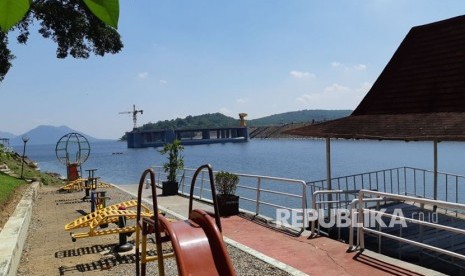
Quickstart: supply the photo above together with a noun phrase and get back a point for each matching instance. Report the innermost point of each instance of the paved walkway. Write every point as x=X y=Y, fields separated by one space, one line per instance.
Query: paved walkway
x=297 y=255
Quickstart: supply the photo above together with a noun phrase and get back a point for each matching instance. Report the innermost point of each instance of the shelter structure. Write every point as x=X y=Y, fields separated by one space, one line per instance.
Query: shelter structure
x=419 y=96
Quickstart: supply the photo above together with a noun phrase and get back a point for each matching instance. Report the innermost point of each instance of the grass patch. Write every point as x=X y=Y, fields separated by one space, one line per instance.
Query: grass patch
x=8 y=185
x=14 y=161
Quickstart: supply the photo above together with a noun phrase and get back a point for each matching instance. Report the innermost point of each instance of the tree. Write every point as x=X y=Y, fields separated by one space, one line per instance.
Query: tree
x=79 y=27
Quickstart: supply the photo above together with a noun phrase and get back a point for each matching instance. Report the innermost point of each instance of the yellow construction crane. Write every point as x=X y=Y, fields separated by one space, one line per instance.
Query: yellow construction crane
x=134 y=114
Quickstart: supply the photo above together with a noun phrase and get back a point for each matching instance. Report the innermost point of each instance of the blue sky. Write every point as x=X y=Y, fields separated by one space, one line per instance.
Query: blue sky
x=195 y=57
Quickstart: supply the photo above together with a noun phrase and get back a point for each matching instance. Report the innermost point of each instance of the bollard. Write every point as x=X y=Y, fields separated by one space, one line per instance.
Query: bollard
x=123 y=245
x=147 y=183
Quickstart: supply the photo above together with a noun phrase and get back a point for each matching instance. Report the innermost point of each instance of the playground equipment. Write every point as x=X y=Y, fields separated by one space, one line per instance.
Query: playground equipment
x=80 y=184
x=98 y=200
x=103 y=217
x=197 y=242
x=76 y=185
x=72 y=150
x=86 y=184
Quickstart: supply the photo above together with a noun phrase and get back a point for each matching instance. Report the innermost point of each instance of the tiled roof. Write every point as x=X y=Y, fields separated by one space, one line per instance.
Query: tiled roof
x=410 y=127
x=420 y=95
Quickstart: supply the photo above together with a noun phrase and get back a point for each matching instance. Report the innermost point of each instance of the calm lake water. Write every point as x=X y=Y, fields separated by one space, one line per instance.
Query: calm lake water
x=298 y=159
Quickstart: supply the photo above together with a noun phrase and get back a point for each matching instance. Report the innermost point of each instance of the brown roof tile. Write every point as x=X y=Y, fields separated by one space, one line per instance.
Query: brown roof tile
x=420 y=95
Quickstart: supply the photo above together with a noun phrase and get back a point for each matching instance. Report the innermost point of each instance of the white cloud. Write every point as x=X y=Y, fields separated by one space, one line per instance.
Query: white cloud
x=306 y=98
x=336 y=88
x=143 y=75
x=301 y=75
x=242 y=101
x=360 y=67
x=335 y=96
x=163 y=81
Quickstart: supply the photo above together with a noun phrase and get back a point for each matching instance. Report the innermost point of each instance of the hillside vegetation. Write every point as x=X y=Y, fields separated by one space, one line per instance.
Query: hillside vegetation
x=303 y=116
x=201 y=121
x=13 y=161
x=220 y=120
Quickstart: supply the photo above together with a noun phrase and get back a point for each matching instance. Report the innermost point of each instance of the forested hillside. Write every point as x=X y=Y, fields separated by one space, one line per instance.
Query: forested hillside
x=302 y=116
x=201 y=121
x=219 y=120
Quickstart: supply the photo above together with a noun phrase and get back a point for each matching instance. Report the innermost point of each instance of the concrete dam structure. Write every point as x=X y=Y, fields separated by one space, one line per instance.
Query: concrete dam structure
x=156 y=138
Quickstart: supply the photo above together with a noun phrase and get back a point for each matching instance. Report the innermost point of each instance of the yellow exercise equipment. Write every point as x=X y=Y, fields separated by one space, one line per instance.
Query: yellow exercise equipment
x=103 y=217
x=74 y=186
x=79 y=185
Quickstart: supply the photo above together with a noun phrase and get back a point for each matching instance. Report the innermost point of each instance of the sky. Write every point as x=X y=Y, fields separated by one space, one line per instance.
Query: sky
x=181 y=58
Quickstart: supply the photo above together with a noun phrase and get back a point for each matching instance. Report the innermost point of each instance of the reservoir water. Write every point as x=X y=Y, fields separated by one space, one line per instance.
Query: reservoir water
x=298 y=159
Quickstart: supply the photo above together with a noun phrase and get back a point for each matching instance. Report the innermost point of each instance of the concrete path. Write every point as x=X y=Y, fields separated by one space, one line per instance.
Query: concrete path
x=14 y=233
x=297 y=255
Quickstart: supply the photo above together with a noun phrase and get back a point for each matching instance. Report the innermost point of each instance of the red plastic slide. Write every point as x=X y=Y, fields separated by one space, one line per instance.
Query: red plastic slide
x=197 y=243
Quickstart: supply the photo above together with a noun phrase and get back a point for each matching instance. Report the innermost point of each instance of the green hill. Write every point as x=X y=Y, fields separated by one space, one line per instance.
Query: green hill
x=219 y=120
x=301 y=116
x=200 y=121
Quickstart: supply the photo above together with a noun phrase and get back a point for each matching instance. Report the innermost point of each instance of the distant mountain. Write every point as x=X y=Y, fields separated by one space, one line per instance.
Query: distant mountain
x=302 y=116
x=47 y=135
x=6 y=135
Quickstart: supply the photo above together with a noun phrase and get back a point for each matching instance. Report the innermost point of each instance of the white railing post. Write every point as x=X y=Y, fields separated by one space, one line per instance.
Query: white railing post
x=257 y=207
x=183 y=180
x=312 y=228
x=304 y=205
x=360 y=215
x=351 y=226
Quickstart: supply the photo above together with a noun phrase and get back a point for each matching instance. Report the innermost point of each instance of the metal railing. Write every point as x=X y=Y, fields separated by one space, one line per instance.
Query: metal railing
x=367 y=195
x=354 y=213
x=402 y=181
x=337 y=203
x=258 y=194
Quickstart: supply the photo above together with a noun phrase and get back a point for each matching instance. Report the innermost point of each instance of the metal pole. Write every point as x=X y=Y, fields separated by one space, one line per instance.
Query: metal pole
x=25 y=139
x=328 y=163
x=328 y=173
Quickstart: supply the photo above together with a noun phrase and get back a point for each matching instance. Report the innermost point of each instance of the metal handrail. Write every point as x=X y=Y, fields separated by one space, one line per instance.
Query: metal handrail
x=352 y=215
x=316 y=203
x=258 y=198
x=401 y=180
x=439 y=203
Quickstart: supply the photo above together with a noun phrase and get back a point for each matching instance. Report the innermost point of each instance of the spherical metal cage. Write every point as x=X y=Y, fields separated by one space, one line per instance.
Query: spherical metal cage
x=72 y=148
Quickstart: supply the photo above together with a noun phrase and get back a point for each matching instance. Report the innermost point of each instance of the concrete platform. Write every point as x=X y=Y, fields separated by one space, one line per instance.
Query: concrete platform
x=296 y=255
